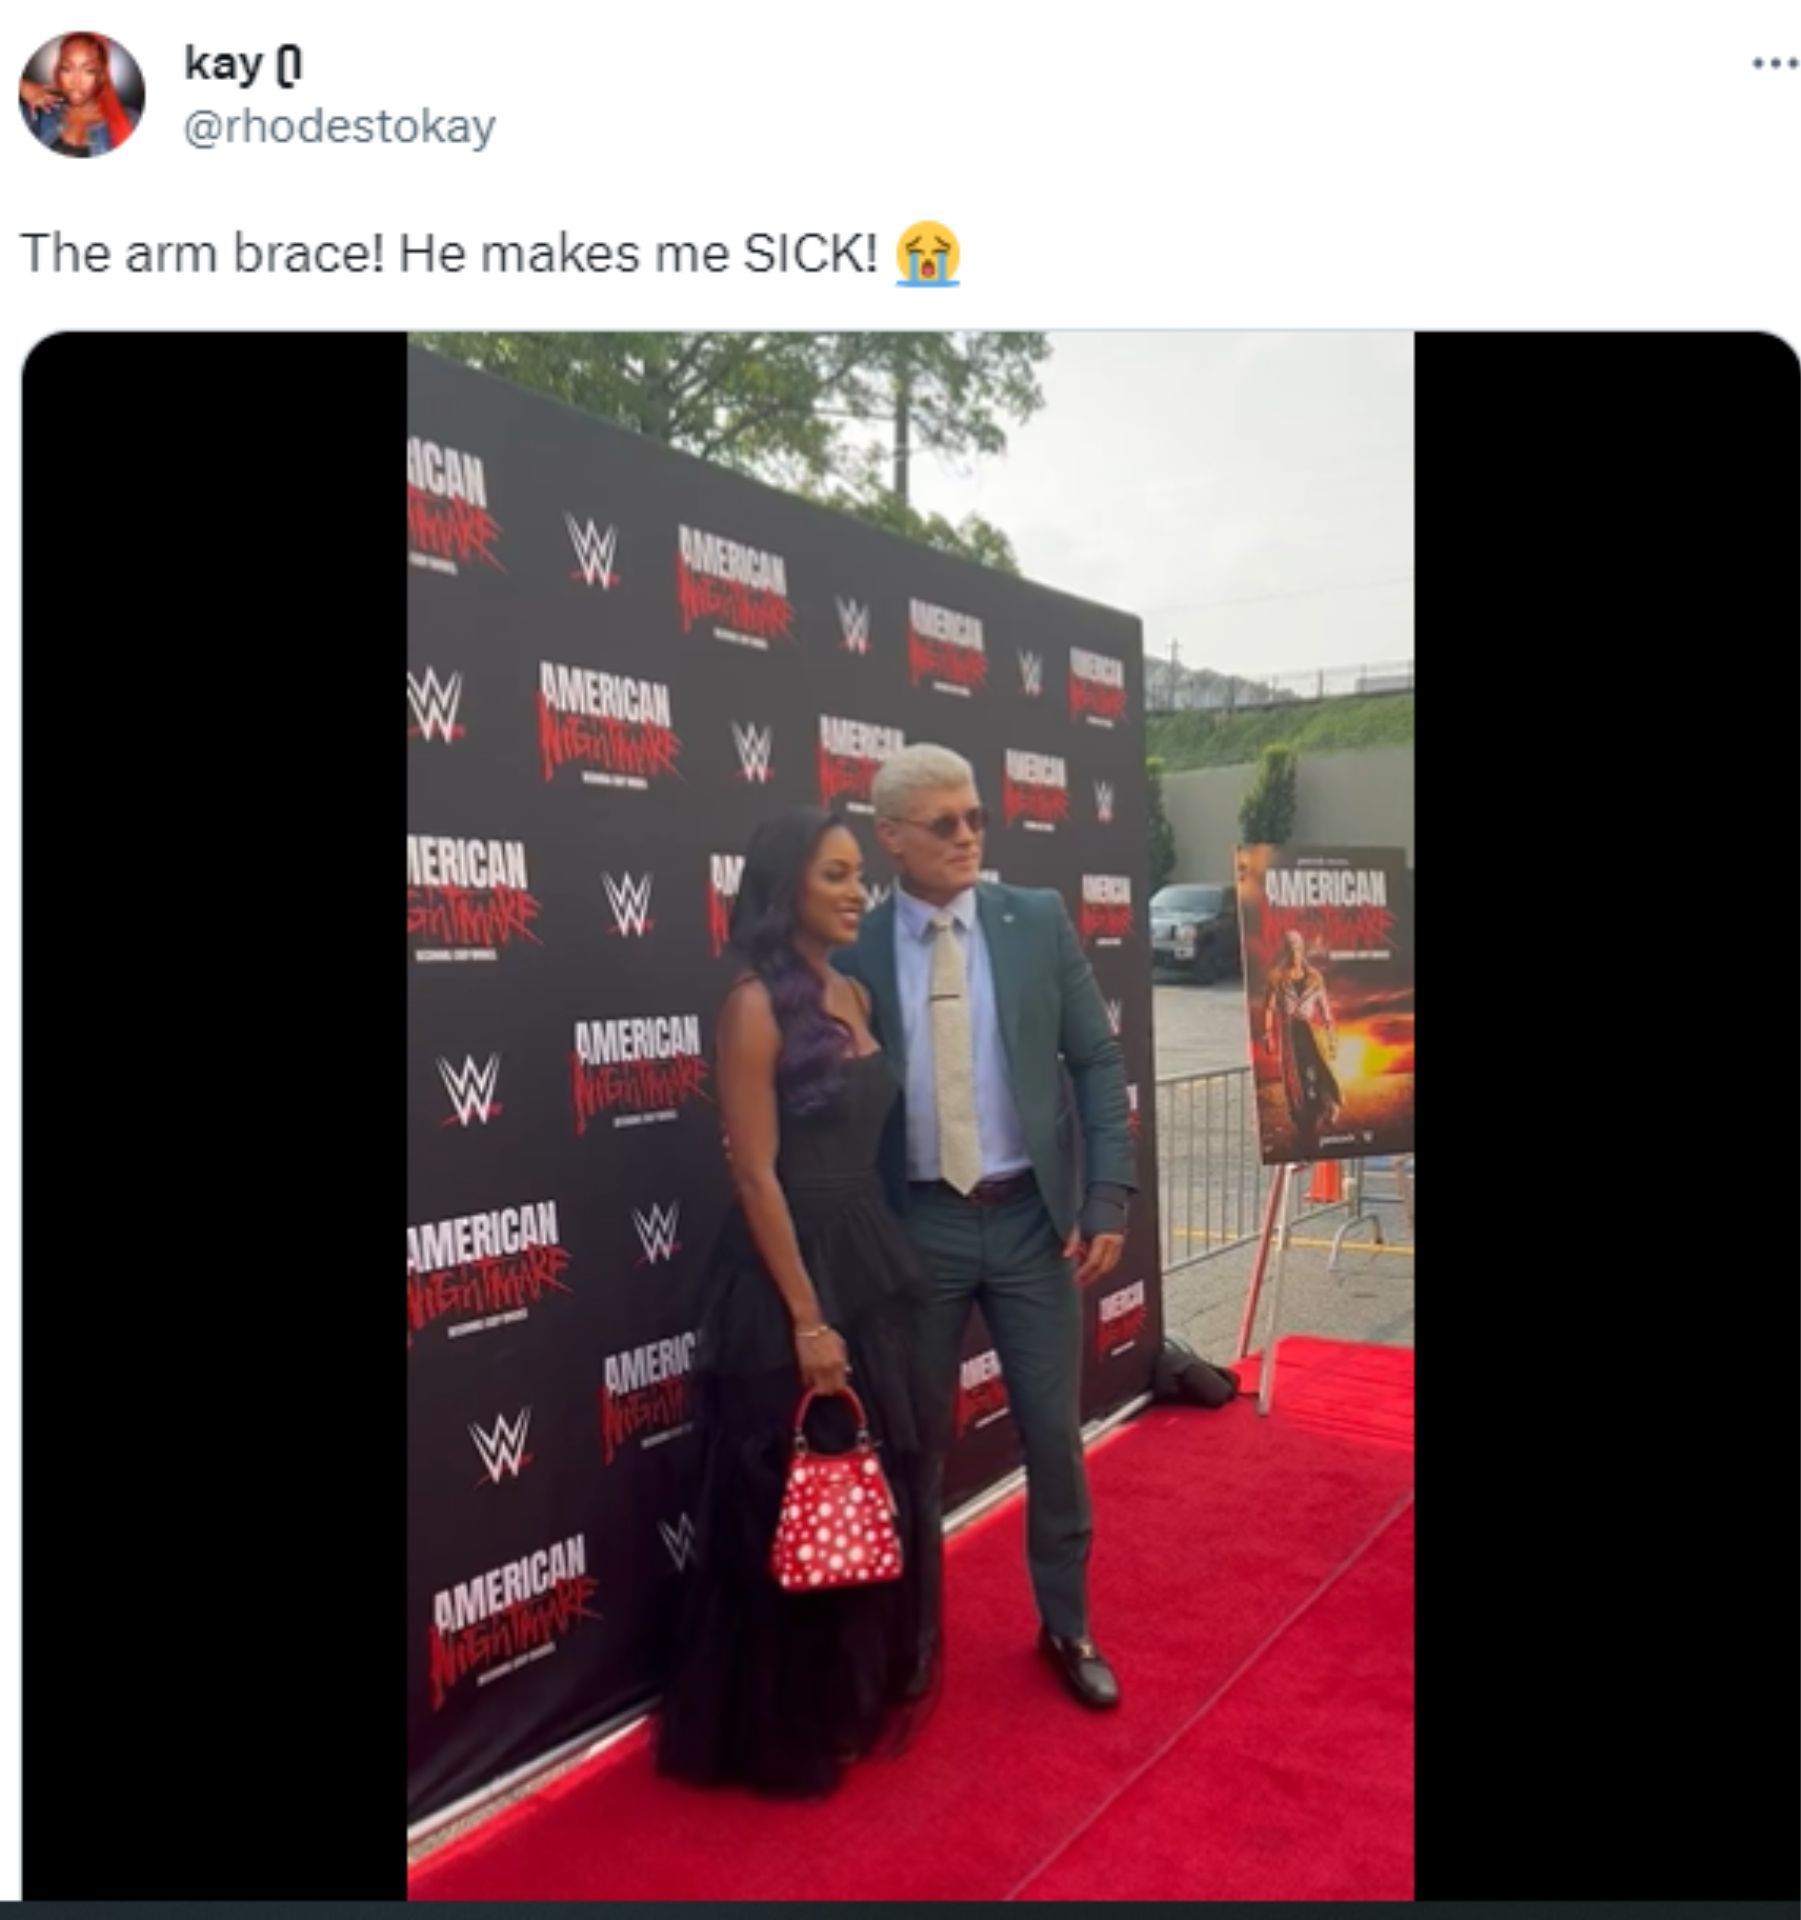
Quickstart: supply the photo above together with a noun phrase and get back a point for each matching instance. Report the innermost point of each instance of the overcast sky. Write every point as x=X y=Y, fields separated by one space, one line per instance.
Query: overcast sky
x=1248 y=495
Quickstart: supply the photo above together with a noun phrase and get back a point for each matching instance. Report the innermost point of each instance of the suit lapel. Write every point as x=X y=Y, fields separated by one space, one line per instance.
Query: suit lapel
x=1001 y=931
x=875 y=949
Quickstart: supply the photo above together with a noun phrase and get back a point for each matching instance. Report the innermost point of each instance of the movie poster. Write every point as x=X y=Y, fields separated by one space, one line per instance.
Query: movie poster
x=1327 y=934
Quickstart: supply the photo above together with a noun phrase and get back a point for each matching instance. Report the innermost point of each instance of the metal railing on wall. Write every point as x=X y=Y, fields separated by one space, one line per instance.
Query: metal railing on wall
x=1167 y=691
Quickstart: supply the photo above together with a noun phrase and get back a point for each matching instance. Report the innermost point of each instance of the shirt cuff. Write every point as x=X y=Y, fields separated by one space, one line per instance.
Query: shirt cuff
x=1105 y=1210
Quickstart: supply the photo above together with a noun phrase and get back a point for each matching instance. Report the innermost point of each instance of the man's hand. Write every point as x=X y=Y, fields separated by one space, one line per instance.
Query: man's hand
x=1098 y=1256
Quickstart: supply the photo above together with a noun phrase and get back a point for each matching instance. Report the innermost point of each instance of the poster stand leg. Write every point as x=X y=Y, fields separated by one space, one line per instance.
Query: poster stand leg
x=1266 y=1385
x=1272 y=1200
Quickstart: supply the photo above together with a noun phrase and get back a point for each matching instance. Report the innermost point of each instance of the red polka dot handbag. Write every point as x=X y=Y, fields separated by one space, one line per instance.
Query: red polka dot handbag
x=837 y=1524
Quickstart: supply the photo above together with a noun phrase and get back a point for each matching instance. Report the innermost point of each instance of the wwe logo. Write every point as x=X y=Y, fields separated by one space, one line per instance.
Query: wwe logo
x=875 y=892
x=756 y=745
x=1116 y=1013
x=657 y=1231
x=1103 y=801
x=503 y=1450
x=679 y=1539
x=434 y=704
x=471 y=1089
x=630 y=901
x=855 y=622
x=595 y=551
x=1031 y=673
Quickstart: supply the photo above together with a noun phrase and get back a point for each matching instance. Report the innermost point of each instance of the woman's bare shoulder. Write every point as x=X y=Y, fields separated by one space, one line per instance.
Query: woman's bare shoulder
x=746 y=1008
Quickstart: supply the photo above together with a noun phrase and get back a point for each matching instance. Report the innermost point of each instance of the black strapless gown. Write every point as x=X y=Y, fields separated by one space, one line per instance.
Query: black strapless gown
x=778 y=1690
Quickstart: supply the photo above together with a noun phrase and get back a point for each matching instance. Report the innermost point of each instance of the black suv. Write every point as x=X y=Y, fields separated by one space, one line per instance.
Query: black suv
x=1195 y=929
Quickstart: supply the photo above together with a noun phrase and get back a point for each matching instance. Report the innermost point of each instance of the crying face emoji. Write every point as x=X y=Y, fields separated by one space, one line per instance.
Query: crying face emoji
x=928 y=255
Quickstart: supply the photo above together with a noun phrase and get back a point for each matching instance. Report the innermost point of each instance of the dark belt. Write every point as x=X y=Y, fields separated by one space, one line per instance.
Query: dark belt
x=989 y=1193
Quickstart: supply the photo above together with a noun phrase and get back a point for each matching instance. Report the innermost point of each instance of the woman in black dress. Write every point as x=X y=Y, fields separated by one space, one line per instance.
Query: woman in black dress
x=814 y=1284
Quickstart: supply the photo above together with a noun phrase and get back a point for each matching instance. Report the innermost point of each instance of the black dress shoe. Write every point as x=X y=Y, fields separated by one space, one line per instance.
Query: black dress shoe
x=1084 y=1671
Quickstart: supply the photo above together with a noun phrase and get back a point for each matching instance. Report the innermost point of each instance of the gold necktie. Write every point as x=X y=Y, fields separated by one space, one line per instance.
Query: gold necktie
x=953 y=1064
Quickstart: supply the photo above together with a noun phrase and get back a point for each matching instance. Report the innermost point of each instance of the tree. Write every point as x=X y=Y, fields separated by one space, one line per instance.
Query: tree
x=945 y=392
x=838 y=417
x=1266 y=816
x=1163 y=835
x=974 y=538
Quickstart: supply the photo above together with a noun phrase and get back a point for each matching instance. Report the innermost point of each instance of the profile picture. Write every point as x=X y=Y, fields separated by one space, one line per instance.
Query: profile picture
x=81 y=95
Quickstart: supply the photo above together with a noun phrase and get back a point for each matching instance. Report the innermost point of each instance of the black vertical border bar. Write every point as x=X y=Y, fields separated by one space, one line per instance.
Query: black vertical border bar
x=213 y=1446
x=1608 y=644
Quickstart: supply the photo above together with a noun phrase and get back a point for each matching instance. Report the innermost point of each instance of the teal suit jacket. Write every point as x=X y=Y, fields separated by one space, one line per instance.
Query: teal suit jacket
x=1066 y=1068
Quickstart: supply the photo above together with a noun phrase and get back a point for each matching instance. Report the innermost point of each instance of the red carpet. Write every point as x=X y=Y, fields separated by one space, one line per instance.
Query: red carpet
x=1252 y=1583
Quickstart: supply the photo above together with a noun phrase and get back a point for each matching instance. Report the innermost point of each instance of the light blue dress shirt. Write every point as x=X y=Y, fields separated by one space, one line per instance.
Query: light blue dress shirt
x=998 y=1124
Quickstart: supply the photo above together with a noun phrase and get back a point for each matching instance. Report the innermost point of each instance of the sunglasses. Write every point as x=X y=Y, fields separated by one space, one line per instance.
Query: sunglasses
x=946 y=824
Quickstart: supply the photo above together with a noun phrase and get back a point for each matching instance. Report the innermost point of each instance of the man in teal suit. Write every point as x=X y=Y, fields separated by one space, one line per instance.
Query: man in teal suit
x=1012 y=1158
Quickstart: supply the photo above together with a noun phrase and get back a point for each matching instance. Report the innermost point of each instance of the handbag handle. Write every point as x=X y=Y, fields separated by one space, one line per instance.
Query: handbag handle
x=843 y=1393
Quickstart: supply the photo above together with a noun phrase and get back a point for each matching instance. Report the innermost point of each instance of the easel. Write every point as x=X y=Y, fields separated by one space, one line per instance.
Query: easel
x=1278 y=1221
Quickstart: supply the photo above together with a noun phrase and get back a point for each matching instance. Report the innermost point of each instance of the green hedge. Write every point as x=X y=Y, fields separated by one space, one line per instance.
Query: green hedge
x=1186 y=740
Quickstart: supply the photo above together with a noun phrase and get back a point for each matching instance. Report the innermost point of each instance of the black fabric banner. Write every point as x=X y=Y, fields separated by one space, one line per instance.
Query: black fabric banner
x=619 y=660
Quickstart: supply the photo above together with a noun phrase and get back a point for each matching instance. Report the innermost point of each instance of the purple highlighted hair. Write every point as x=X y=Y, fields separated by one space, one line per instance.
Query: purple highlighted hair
x=810 y=1071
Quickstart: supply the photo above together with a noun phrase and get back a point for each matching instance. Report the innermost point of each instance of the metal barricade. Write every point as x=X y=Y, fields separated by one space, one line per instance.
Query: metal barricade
x=1211 y=1178
x=1363 y=1199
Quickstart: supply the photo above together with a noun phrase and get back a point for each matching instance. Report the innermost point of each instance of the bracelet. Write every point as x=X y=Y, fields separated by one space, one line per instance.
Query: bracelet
x=811 y=1333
